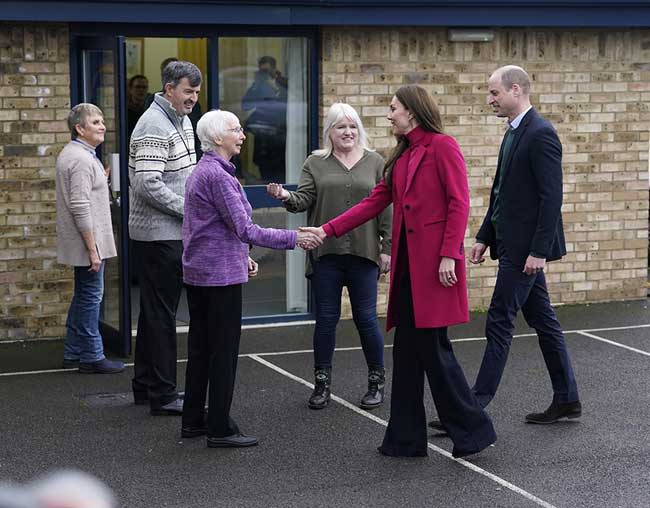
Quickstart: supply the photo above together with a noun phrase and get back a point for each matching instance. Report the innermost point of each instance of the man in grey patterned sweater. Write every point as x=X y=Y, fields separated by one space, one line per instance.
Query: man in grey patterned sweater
x=161 y=157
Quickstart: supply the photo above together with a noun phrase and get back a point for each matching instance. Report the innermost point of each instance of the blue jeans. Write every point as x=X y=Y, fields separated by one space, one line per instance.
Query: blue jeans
x=330 y=273
x=83 y=341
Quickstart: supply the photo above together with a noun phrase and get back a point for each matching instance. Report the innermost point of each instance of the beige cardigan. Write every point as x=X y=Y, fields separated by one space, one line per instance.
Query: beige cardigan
x=82 y=204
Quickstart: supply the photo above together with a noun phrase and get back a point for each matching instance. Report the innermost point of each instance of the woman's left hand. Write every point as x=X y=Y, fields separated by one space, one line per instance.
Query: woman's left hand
x=384 y=263
x=447 y=272
x=252 y=267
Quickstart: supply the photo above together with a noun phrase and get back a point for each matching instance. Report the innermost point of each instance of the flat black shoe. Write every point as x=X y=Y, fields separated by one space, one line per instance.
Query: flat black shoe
x=173 y=408
x=234 y=441
x=556 y=412
x=436 y=425
x=190 y=432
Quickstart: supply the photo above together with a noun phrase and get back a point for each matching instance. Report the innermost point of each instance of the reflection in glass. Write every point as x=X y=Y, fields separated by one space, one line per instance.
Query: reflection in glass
x=263 y=80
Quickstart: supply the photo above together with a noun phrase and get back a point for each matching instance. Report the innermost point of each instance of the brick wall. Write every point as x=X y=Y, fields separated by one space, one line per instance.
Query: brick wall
x=593 y=85
x=34 y=102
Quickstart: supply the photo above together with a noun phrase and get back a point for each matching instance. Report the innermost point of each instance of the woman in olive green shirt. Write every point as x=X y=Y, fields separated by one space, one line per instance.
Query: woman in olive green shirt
x=332 y=180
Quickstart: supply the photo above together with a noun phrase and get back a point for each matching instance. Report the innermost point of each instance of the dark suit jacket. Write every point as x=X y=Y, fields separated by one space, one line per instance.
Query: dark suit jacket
x=530 y=195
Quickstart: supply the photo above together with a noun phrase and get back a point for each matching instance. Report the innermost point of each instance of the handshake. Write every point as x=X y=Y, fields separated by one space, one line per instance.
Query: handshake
x=310 y=238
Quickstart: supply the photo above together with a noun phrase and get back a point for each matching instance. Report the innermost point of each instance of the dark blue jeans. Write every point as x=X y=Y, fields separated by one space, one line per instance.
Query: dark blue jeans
x=83 y=341
x=330 y=273
x=515 y=290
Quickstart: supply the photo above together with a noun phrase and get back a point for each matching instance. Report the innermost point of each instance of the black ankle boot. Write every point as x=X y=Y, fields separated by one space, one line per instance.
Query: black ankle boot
x=320 y=397
x=375 y=395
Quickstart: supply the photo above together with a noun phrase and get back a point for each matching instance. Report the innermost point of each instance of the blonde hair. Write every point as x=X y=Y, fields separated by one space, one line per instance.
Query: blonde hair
x=337 y=112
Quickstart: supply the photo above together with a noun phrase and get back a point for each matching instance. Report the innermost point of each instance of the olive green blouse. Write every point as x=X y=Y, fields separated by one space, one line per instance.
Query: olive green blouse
x=327 y=188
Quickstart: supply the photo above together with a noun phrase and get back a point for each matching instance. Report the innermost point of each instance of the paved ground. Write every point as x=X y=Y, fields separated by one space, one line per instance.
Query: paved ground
x=328 y=458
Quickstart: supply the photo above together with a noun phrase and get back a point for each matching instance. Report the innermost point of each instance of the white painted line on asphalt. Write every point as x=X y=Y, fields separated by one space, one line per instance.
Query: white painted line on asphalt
x=613 y=343
x=185 y=328
x=356 y=348
x=380 y=421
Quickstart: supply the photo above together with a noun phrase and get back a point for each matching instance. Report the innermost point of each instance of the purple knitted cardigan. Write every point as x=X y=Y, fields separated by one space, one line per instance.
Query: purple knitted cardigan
x=217 y=226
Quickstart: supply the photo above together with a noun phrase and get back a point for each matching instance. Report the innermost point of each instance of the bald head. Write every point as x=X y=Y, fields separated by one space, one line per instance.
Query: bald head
x=513 y=75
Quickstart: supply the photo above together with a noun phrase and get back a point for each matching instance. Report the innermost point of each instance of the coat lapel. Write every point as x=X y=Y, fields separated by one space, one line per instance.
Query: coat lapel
x=415 y=158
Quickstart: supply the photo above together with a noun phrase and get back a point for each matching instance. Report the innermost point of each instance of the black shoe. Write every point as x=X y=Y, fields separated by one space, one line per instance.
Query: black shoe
x=556 y=412
x=104 y=366
x=190 y=432
x=234 y=441
x=436 y=425
x=320 y=397
x=70 y=364
x=173 y=408
x=374 y=397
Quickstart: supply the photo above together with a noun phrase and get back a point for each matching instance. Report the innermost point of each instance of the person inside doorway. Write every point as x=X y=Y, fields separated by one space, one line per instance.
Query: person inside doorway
x=266 y=99
x=137 y=93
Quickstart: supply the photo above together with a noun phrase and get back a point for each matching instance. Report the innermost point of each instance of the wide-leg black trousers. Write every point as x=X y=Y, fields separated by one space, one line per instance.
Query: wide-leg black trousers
x=427 y=351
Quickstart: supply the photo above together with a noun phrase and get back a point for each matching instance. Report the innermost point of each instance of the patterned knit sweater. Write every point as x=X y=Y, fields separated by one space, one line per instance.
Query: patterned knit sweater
x=161 y=157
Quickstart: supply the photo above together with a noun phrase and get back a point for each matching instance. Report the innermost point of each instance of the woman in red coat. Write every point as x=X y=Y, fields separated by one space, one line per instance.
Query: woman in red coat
x=426 y=180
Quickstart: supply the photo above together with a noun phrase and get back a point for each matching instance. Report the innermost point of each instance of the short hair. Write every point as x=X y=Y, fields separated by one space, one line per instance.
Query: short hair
x=267 y=60
x=72 y=488
x=167 y=60
x=137 y=76
x=338 y=112
x=179 y=69
x=213 y=124
x=511 y=74
x=79 y=114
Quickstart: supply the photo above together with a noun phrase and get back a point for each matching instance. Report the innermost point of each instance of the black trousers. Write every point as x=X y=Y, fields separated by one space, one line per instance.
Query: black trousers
x=161 y=284
x=420 y=351
x=514 y=290
x=213 y=347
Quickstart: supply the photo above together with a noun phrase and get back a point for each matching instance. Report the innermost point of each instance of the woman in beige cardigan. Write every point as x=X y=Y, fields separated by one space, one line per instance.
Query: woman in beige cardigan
x=84 y=237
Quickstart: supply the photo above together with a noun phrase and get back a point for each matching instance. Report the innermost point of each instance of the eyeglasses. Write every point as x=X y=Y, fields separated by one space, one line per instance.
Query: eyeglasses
x=237 y=130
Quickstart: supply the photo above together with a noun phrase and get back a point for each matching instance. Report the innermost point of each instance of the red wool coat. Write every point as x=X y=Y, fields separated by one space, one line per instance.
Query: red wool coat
x=430 y=198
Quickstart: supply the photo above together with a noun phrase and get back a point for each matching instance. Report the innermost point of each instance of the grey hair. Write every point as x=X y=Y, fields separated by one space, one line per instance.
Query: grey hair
x=179 y=69
x=79 y=114
x=512 y=74
x=73 y=489
x=338 y=112
x=212 y=125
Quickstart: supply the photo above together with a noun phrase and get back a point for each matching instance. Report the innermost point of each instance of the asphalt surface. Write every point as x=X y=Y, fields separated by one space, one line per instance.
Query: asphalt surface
x=328 y=458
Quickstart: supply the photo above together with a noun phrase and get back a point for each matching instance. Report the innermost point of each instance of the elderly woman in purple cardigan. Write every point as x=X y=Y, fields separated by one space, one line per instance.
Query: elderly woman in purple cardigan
x=217 y=234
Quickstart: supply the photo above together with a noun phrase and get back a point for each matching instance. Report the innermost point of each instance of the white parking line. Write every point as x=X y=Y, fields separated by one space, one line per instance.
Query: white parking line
x=617 y=344
x=357 y=348
x=380 y=421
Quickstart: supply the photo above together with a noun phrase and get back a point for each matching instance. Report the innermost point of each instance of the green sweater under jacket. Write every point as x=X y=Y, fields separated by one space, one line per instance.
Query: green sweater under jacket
x=327 y=188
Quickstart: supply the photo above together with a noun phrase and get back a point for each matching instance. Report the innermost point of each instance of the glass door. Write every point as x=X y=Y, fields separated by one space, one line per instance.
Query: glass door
x=265 y=82
x=98 y=68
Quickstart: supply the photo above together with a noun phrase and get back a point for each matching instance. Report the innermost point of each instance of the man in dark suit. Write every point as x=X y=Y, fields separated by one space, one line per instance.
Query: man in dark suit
x=523 y=229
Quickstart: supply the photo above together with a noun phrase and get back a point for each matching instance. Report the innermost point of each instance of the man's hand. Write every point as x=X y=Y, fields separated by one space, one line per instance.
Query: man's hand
x=447 y=272
x=476 y=254
x=253 y=267
x=275 y=190
x=534 y=265
x=384 y=263
x=308 y=240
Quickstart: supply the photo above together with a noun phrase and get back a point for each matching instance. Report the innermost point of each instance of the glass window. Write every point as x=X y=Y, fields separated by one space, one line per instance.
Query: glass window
x=264 y=81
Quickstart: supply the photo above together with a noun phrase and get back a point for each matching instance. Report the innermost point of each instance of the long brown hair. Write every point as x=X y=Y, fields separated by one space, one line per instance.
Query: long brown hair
x=425 y=111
